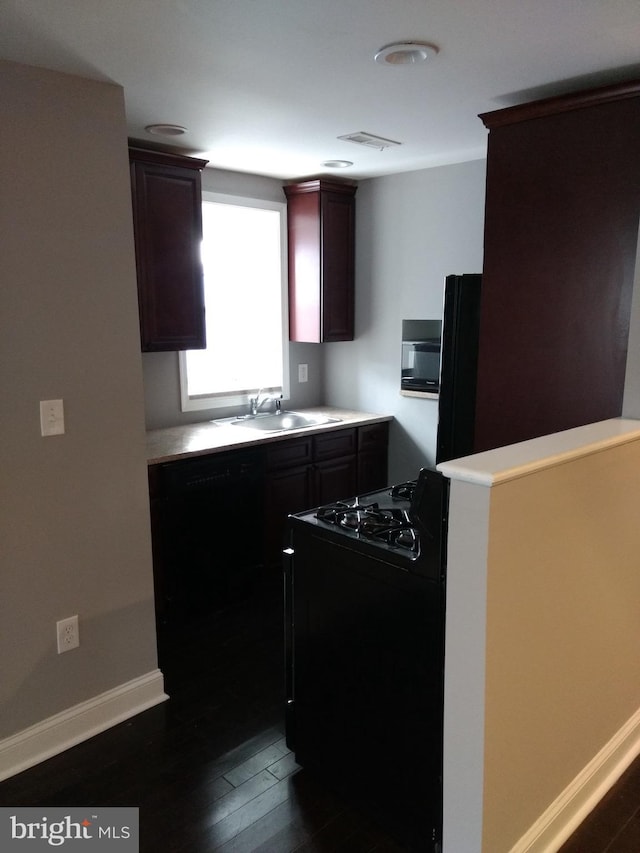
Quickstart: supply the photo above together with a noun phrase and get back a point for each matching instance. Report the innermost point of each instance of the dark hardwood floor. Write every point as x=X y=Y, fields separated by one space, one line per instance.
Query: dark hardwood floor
x=210 y=770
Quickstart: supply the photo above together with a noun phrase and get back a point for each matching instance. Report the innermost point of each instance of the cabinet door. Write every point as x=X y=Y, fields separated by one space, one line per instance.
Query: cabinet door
x=167 y=219
x=203 y=557
x=335 y=465
x=373 y=451
x=335 y=480
x=287 y=491
x=321 y=218
x=338 y=266
x=158 y=544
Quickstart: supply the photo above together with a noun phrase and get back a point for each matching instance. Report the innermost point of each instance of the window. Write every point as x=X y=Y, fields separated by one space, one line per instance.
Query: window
x=244 y=261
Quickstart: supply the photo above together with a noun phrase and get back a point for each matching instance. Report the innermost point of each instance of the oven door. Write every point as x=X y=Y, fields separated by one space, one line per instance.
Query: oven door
x=365 y=680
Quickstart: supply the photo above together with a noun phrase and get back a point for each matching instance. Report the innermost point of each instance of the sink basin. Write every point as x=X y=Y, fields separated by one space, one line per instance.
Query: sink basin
x=282 y=422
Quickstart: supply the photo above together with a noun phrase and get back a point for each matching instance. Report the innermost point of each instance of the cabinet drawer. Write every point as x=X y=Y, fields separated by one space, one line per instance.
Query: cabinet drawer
x=334 y=444
x=373 y=435
x=288 y=454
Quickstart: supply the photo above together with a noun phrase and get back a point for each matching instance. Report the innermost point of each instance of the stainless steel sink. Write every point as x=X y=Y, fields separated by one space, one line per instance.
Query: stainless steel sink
x=282 y=422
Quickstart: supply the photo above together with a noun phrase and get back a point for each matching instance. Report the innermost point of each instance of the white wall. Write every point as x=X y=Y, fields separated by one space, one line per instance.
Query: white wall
x=74 y=508
x=412 y=230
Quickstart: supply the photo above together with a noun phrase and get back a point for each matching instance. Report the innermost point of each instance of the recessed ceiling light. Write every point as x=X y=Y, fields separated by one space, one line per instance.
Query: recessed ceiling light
x=405 y=53
x=165 y=129
x=337 y=164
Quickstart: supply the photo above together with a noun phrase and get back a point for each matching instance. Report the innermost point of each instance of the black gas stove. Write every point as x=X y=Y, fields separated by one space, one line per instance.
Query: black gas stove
x=366 y=517
x=364 y=653
x=405 y=521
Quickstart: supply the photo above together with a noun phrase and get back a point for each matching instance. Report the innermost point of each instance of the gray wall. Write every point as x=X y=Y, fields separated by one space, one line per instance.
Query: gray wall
x=74 y=522
x=74 y=517
x=411 y=231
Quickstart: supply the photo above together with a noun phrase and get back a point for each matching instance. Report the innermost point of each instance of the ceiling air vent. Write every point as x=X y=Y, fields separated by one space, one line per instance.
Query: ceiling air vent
x=371 y=141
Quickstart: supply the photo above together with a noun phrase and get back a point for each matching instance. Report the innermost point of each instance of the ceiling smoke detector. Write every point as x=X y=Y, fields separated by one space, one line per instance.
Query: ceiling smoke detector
x=370 y=140
x=405 y=53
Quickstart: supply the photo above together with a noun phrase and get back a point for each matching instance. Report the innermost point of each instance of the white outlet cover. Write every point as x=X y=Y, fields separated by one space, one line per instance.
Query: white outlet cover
x=51 y=417
x=68 y=634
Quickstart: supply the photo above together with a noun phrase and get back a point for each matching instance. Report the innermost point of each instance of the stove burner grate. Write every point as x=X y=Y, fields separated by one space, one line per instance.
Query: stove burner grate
x=390 y=526
x=403 y=491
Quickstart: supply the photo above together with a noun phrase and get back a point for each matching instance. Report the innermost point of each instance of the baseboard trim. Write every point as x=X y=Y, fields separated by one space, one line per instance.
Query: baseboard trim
x=580 y=797
x=73 y=725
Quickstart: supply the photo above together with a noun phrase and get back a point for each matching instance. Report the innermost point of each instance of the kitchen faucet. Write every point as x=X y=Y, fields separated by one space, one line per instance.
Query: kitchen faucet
x=255 y=403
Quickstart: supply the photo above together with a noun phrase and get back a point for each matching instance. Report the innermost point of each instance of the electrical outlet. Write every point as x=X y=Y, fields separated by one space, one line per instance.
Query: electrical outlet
x=303 y=372
x=68 y=634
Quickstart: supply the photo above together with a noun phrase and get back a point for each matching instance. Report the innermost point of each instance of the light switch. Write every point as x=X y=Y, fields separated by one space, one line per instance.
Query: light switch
x=51 y=417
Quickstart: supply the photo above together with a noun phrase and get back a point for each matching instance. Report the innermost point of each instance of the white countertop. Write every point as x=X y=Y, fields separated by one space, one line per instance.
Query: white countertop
x=165 y=445
x=518 y=460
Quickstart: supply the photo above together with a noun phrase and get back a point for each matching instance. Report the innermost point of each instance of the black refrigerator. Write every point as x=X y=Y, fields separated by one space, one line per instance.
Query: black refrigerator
x=458 y=366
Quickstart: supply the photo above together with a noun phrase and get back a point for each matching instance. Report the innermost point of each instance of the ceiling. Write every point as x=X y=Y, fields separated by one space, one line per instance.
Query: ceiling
x=268 y=86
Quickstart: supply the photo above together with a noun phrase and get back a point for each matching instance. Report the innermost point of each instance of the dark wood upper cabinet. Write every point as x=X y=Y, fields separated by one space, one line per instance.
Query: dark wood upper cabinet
x=167 y=220
x=561 y=227
x=321 y=226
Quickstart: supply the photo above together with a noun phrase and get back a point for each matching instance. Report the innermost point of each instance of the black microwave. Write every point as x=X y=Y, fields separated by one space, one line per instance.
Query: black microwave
x=421 y=344
x=421 y=365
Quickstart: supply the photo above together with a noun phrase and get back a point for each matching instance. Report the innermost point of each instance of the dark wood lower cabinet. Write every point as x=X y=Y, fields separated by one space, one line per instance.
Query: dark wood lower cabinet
x=335 y=467
x=335 y=479
x=206 y=524
x=373 y=452
x=302 y=473
x=286 y=491
x=216 y=518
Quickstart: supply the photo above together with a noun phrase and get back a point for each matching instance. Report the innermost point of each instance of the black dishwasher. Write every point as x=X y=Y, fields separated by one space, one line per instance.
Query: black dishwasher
x=207 y=533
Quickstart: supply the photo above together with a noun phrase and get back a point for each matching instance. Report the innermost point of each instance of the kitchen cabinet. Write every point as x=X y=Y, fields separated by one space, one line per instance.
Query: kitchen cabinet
x=335 y=466
x=206 y=525
x=288 y=488
x=312 y=470
x=321 y=230
x=373 y=451
x=219 y=516
x=561 y=226
x=167 y=220
x=157 y=535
